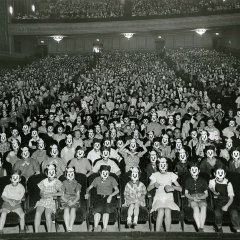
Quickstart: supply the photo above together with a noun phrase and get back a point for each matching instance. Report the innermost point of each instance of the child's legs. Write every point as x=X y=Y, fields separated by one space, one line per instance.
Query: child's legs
x=21 y=214
x=37 y=220
x=235 y=219
x=196 y=214
x=159 y=219
x=136 y=212
x=72 y=217
x=48 y=215
x=168 y=219
x=3 y=219
x=218 y=216
x=66 y=217
x=97 y=217
x=105 y=220
x=203 y=214
x=130 y=212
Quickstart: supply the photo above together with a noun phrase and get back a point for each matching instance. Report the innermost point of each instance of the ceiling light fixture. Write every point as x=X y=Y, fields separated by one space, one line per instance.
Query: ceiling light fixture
x=58 y=38
x=128 y=35
x=200 y=31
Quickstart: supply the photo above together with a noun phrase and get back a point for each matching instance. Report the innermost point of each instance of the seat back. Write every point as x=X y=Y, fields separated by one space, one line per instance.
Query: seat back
x=33 y=189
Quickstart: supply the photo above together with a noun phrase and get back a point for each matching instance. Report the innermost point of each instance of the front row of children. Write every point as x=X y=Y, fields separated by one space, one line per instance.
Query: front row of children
x=164 y=183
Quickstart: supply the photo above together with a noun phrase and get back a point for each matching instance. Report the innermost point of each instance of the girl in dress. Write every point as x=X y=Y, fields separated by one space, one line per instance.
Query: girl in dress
x=70 y=198
x=50 y=188
x=165 y=183
x=134 y=194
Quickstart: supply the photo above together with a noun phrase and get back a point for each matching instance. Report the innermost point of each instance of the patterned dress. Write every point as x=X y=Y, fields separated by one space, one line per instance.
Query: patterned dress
x=135 y=193
x=47 y=187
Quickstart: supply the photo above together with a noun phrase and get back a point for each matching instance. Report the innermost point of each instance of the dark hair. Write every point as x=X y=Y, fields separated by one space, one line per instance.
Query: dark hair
x=104 y=168
x=193 y=164
x=19 y=172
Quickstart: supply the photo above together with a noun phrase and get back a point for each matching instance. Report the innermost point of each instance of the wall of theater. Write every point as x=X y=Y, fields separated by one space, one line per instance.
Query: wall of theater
x=4 y=44
x=141 y=42
x=230 y=39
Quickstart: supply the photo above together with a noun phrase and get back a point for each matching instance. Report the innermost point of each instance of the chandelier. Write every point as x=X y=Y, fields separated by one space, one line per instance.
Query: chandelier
x=128 y=35
x=201 y=31
x=57 y=38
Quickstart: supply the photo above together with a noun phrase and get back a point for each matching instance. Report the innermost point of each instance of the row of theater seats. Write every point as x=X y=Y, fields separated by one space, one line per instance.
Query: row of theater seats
x=84 y=212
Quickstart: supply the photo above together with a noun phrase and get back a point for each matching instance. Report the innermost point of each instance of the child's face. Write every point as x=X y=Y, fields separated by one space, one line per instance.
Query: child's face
x=153 y=157
x=220 y=175
x=15 y=179
x=51 y=174
x=163 y=165
x=135 y=176
x=80 y=153
x=194 y=171
x=236 y=154
x=210 y=153
x=104 y=174
x=70 y=174
x=182 y=156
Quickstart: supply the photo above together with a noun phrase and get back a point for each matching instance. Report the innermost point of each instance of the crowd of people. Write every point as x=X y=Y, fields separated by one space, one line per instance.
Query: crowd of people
x=181 y=7
x=85 y=9
x=74 y=9
x=124 y=113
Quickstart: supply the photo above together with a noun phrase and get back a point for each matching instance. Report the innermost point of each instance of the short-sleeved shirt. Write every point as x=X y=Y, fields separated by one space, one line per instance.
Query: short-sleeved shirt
x=196 y=186
x=111 y=163
x=81 y=166
x=28 y=167
x=14 y=192
x=70 y=188
x=105 y=187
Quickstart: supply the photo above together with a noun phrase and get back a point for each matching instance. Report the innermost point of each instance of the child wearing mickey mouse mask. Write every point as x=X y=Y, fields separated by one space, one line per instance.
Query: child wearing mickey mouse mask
x=182 y=162
x=102 y=205
x=134 y=194
x=70 y=198
x=224 y=199
x=165 y=183
x=196 y=191
x=234 y=164
x=12 y=196
x=50 y=188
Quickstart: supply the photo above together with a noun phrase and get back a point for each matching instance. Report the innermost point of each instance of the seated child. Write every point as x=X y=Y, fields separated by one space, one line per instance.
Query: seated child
x=182 y=163
x=12 y=196
x=224 y=199
x=196 y=190
x=152 y=166
x=134 y=193
x=50 y=187
x=70 y=198
x=102 y=204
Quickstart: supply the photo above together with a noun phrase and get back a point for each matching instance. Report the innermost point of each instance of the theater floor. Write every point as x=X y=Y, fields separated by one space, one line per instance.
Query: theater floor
x=113 y=228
